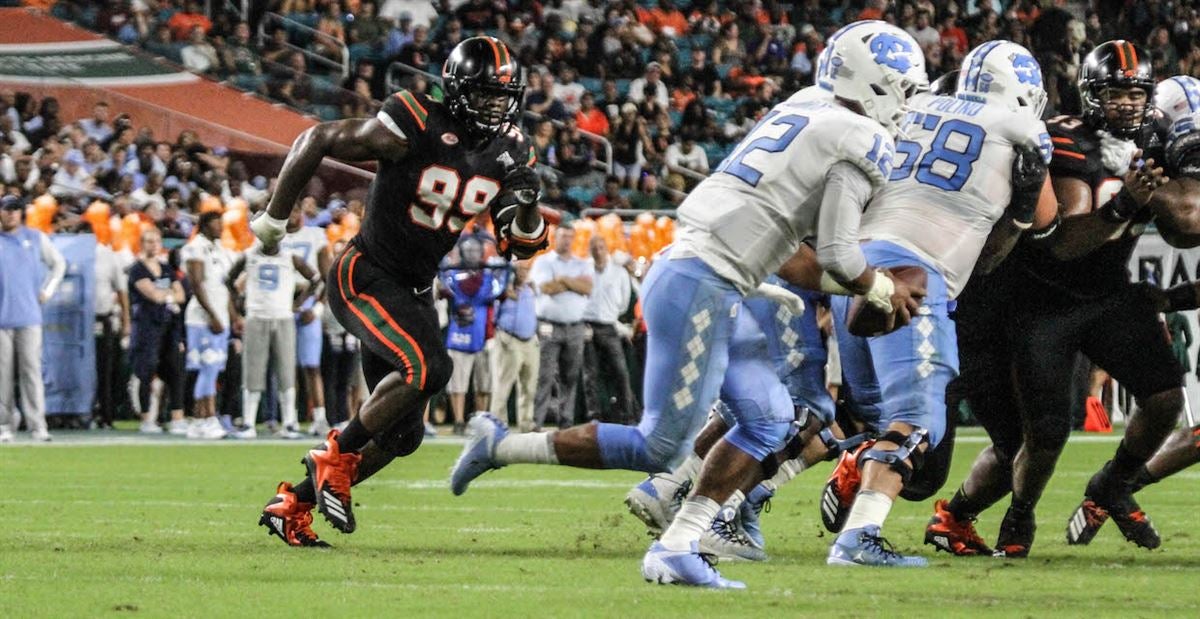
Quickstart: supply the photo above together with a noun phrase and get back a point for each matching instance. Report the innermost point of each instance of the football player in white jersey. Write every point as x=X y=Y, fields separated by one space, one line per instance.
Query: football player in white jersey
x=310 y=243
x=807 y=169
x=971 y=164
x=270 y=331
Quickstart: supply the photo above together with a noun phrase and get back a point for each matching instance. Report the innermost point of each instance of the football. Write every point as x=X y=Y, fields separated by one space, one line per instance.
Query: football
x=865 y=320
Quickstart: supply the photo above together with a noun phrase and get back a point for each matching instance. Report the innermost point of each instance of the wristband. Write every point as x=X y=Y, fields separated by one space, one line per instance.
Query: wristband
x=831 y=286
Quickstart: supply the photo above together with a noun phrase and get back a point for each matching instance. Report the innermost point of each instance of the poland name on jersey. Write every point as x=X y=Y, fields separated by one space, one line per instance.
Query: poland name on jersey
x=951 y=181
x=748 y=217
x=270 y=284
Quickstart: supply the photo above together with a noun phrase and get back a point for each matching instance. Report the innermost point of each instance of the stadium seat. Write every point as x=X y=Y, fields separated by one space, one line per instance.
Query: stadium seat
x=591 y=84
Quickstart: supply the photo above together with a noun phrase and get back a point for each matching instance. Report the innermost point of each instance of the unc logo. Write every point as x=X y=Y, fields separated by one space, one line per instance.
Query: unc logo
x=892 y=51
x=1027 y=69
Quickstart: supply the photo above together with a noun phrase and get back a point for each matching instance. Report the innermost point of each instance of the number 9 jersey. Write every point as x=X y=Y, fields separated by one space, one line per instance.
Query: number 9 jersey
x=750 y=215
x=418 y=205
x=951 y=181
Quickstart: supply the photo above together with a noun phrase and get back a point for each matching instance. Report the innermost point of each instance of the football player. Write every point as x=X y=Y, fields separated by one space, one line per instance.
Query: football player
x=1177 y=216
x=806 y=170
x=1061 y=295
x=312 y=246
x=966 y=183
x=440 y=164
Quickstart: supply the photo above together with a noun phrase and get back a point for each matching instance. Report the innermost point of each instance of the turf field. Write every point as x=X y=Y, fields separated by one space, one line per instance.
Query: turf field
x=169 y=529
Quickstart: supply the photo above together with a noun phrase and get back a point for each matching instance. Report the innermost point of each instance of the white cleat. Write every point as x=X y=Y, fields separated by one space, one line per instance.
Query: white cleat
x=656 y=500
x=247 y=434
x=667 y=567
x=6 y=434
x=208 y=430
x=290 y=433
x=149 y=427
x=41 y=436
x=178 y=427
x=320 y=427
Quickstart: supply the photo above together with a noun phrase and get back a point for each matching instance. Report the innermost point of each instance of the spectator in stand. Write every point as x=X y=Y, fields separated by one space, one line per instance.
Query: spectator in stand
x=112 y=324
x=95 y=161
x=33 y=268
x=160 y=42
x=291 y=84
x=650 y=86
x=540 y=98
x=923 y=31
x=575 y=156
x=668 y=20
x=648 y=197
x=144 y=164
x=367 y=28
x=952 y=35
x=240 y=54
x=97 y=127
x=611 y=100
x=630 y=140
x=155 y=341
x=149 y=194
x=612 y=198
x=208 y=319
x=18 y=143
x=420 y=51
x=331 y=32
x=687 y=156
x=515 y=358
x=199 y=55
x=72 y=180
x=568 y=91
x=472 y=288
x=705 y=78
x=277 y=49
x=729 y=49
x=182 y=22
x=604 y=357
x=35 y=127
x=563 y=283
x=545 y=146
x=591 y=118
x=478 y=15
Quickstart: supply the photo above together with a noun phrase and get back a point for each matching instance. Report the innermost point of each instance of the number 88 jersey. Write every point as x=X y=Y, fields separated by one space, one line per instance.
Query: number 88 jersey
x=418 y=205
x=951 y=181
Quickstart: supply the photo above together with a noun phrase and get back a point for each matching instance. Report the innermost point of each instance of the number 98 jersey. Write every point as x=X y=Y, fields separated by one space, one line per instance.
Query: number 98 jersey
x=951 y=181
x=418 y=205
x=750 y=215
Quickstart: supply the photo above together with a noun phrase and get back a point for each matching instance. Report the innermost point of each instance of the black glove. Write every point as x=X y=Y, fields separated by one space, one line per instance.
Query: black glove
x=523 y=184
x=1028 y=176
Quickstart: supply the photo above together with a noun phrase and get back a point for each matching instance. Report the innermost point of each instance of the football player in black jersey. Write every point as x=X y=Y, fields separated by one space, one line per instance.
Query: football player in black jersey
x=1177 y=216
x=440 y=164
x=1062 y=294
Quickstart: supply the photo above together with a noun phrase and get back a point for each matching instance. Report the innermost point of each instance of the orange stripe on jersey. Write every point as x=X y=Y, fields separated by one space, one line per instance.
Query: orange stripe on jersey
x=1062 y=140
x=1067 y=153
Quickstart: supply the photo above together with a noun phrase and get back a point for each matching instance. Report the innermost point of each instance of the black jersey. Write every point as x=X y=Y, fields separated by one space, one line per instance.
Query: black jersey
x=418 y=205
x=1106 y=269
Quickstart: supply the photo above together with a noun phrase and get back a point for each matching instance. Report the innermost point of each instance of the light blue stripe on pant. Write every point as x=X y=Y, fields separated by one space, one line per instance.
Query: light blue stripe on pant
x=691 y=316
x=901 y=376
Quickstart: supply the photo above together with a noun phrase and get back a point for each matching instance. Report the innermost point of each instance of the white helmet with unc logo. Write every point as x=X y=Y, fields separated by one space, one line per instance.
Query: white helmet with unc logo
x=876 y=65
x=1005 y=73
x=1178 y=98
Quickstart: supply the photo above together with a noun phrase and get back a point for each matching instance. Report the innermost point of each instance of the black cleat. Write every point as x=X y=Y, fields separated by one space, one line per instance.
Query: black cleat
x=1106 y=497
x=1016 y=535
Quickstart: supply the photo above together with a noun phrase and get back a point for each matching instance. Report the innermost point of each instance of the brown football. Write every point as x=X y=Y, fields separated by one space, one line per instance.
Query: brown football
x=865 y=320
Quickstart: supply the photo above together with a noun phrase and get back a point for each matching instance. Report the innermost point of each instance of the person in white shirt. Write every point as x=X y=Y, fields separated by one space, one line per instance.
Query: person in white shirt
x=270 y=332
x=568 y=91
x=72 y=179
x=207 y=319
x=604 y=357
x=149 y=194
x=652 y=79
x=97 y=127
x=563 y=284
x=312 y=246
x=199 y=55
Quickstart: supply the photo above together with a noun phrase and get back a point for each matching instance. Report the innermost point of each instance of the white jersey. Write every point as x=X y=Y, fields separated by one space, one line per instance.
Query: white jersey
x=951 y=181
x=307 y=242
x=217 y=262
x=749 y=216
x=270 y=284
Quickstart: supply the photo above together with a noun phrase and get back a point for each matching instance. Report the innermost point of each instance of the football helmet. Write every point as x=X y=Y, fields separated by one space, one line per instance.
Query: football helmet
x=483 y=85
x=1117 y=64
x=1005 y=73
x=876 y=65
x=1178 y=98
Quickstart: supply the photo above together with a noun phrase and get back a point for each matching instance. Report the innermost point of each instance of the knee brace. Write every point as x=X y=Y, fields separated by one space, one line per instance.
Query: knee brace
x=932 y=474
x=403 y=437
x=836 y=447
x=898 y=459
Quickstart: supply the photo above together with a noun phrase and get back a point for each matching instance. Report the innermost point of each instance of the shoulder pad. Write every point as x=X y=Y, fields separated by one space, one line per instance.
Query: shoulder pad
x=406 y=114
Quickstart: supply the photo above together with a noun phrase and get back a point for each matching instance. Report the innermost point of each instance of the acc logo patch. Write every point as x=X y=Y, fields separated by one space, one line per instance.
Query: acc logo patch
x=892 y=51
x=449 y=138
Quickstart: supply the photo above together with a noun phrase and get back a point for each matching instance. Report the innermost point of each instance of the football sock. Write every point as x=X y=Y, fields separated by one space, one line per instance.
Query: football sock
x=250 y=401
x=696 y=515
x=354 y=437
x=1142 y=479
x=870 y=508
x=962 y=507
x=735 y=500
x=527 y=448
x=1124 y=465
x=305 y=492
x=319 y=414
x=288 y=404
x=787 y=472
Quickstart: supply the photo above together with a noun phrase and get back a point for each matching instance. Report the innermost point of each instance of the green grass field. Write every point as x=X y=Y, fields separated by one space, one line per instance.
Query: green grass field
x=160 y=529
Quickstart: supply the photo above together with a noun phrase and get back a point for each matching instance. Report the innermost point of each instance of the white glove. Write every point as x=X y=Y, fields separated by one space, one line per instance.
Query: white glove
x=268 y=229
x=880 y=294
x=1116 y=154
x=786 y=299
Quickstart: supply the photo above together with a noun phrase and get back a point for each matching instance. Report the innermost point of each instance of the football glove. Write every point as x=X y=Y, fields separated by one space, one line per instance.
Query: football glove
x=1028 y=176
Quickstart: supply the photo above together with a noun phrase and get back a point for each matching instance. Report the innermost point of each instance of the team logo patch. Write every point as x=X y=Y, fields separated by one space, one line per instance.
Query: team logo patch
x=1027 y=69
x=892 y=51
x=505 y=159
x=449 y=138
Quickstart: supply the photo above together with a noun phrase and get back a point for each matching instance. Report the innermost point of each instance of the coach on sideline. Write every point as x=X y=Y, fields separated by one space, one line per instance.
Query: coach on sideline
x=563 y=284
x=25 y=255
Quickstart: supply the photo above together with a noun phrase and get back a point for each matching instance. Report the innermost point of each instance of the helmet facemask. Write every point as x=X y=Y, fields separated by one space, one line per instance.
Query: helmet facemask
x=1120 y=109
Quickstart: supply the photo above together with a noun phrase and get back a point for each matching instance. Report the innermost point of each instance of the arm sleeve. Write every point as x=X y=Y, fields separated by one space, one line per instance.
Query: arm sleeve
x=847 y=190
x=57 y=265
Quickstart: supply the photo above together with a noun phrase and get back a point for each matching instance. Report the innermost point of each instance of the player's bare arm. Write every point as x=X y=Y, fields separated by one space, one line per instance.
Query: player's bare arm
x=1177 y=211
x=1084 y=227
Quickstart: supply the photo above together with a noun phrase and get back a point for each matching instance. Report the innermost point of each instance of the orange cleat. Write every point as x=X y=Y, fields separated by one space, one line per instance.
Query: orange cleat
x=843 y=484
x=332 y=473
x=945 y=532
x=289 y=519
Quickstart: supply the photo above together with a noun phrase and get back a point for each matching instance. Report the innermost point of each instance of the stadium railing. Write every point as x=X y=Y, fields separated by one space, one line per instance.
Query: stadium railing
x=291 y=25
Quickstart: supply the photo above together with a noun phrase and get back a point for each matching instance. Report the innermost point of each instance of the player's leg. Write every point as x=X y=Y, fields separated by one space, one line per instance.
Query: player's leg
x=309 y=344
x=28 y=344
x=611 y=355
x=686 y=362
x=206 y=356
x=506 y=368
x=1155 y=379
x=1180 y=451
x=8 y=373
x=283 y=355
x=460 y=380
x=256 y=355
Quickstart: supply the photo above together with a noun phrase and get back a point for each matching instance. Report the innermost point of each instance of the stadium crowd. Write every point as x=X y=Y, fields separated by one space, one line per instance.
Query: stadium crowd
x=670 y=86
